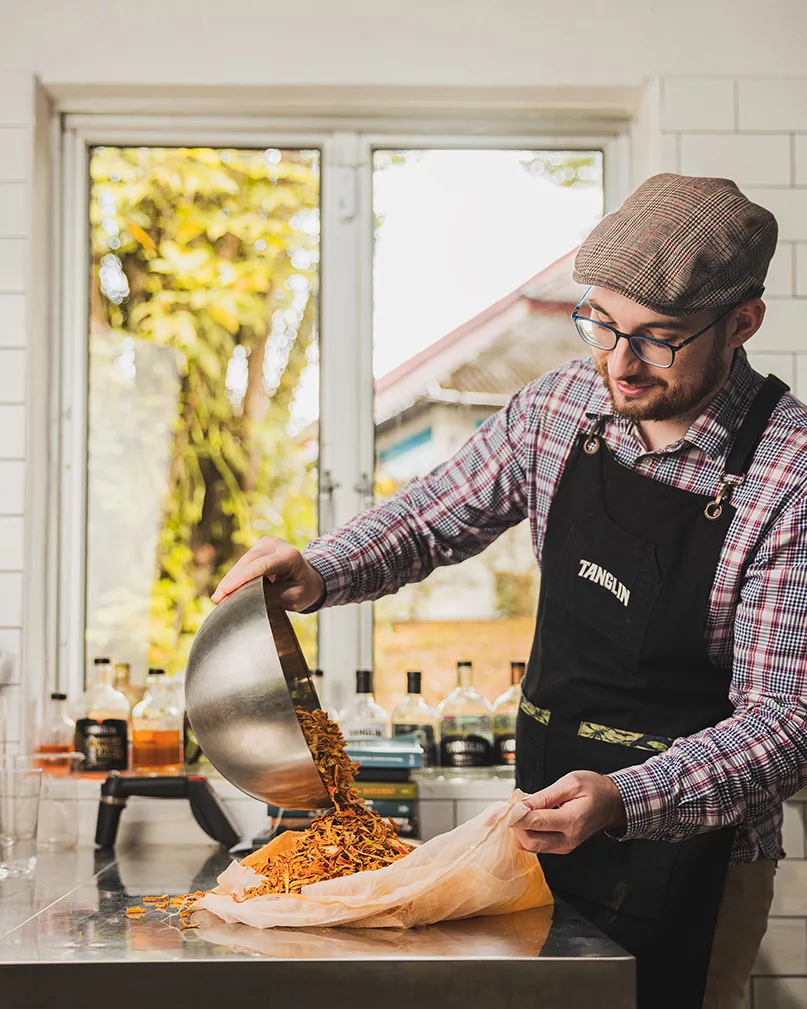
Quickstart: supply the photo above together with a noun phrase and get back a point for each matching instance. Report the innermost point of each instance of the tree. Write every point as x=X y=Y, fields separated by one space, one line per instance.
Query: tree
x=213 y=254
x=566 y=168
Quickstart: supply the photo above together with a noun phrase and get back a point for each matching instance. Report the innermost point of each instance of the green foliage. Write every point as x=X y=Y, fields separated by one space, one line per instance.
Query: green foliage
x=566 y=168
x=219 y=252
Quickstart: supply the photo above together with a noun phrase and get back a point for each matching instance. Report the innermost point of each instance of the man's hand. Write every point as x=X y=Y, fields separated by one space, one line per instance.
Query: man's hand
x=296 y=584
x=567 y=813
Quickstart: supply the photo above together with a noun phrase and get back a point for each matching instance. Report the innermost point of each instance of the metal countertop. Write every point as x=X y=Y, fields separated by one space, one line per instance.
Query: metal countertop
x=65 y=941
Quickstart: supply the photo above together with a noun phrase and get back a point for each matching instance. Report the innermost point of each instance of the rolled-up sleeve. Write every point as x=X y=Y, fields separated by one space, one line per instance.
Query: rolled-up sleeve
x=443 y=518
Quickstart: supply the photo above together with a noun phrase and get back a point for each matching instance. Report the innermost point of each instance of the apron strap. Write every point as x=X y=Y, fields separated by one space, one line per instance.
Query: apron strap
x=746 y=442
x=753 y=426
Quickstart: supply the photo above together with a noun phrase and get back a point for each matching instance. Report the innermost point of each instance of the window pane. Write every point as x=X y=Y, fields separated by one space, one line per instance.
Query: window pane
x=472 y=297
x=203 y=383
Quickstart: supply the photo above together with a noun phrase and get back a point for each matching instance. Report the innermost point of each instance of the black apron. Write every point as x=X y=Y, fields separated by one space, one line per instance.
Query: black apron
x=619 y=668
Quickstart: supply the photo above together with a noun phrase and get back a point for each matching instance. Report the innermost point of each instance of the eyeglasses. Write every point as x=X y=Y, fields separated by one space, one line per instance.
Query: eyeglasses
x=657 y=353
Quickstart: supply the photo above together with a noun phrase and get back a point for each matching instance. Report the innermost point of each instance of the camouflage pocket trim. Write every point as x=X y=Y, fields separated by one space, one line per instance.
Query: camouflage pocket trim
x=636 y=740
x=540 y=715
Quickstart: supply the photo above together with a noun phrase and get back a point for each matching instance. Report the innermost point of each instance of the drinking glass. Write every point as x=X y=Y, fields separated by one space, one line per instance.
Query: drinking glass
x=20 y=789
x=58 y=805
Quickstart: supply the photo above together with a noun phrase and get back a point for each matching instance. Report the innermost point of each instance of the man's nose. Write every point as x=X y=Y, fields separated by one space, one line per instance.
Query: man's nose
x=622 y=362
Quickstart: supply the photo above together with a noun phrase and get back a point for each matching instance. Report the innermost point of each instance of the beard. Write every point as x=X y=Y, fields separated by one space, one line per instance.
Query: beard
x=668 y=400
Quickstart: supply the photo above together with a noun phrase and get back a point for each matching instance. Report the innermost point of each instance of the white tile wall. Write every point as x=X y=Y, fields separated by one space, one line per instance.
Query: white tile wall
x=13 y=153
x=755 y=132
x=750 y=159
x=12 y=320
x=12 y=533
x=784 y=948
x=10 y=643
x=789 y=206
x=12 y=262
x=779 y=992
x=782 y=365
x=783 y=328
x=10 y=599
x=772 y=105
x=800 y=250
x=12 y=432
x=12 y=376
x=781 y=280
x=800 y=159
x=13 y=209
x=698 y=103
x=12 y=487
x=793 y=830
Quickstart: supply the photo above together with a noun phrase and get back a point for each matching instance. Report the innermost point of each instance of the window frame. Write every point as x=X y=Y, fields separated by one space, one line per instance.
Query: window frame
x=346 y=459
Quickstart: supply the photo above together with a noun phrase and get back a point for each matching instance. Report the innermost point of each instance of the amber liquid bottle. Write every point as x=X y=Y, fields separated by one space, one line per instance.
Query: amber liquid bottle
x=157 y=729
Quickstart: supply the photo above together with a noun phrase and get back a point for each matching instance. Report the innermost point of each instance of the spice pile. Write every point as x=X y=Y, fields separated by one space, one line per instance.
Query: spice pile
x=347 y=839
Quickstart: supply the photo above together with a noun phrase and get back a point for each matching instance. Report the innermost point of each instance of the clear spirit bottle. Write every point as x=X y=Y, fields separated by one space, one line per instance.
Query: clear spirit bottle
x=466 y=730
x=413 y=716
x=505 y=712
x=363 y=718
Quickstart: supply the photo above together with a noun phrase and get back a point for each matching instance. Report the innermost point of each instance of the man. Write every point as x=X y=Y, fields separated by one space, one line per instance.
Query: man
x=662 y=722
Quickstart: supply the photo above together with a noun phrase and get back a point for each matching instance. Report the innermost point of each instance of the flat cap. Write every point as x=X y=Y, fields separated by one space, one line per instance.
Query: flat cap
x=680 y=244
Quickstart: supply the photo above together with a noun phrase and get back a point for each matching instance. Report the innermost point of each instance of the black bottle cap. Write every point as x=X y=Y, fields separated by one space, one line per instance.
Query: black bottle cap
x=156 y=672
x=101 y=662
x=58 y=697
x=364 y=681
x=317 y=672
x=465 y=662
x=414 y=680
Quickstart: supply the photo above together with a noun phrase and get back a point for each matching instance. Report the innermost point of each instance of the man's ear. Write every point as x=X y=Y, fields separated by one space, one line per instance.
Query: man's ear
x=744 y=321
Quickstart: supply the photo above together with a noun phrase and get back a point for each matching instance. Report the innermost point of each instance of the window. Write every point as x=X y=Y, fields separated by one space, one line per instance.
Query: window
x=278 y=328
x=472 y=297
x=203 y=383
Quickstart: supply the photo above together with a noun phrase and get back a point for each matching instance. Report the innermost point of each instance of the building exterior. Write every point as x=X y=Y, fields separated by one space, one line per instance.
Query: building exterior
x=431 y=404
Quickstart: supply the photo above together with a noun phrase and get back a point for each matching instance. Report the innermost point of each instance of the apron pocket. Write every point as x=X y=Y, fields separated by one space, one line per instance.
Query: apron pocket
x=607 y=579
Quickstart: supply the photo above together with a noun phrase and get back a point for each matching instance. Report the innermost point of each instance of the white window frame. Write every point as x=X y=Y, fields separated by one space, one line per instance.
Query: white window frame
x=347 y=441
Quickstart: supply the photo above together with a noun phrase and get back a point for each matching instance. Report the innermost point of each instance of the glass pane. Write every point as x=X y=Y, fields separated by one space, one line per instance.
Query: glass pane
x=472 y=298
x=204 y=383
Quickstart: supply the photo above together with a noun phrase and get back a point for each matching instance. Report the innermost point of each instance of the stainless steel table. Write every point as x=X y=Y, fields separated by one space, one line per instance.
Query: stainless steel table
x=65 y=941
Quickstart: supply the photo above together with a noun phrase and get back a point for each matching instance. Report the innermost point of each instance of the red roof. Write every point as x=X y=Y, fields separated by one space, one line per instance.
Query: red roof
x=549 y=291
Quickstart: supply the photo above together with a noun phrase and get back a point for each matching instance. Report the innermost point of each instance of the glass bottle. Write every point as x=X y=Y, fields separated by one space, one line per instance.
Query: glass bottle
x=58 y=736
x=318 y=681
x=157 y=729
x=102 y=732
x=123 y=683
x=466 y=731
x=413 y=716
x=363 y=718
x=505 y=712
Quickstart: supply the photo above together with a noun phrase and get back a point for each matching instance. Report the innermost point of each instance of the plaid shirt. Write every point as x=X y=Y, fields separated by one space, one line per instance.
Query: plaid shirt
x=737 y=772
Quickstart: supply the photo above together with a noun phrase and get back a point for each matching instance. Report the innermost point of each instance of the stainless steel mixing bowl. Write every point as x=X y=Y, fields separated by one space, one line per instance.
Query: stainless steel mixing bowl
x=245 y=675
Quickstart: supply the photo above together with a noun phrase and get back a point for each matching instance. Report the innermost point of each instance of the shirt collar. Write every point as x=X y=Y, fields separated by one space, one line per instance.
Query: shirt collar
x=711 y=431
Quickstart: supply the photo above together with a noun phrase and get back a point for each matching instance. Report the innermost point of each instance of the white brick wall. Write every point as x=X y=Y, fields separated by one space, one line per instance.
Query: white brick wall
x=755 y=132
x=19 y=283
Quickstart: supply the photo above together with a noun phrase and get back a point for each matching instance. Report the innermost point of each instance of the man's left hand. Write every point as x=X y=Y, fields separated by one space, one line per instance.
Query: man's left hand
x=567 y=813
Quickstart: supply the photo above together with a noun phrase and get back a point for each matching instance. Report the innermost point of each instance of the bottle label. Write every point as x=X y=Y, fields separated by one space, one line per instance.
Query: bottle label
x=504 y=739
x=505 y=750
x=364 y=732
x=424 y=734
x=466 y=741
x=465 y=751
x=105 y=744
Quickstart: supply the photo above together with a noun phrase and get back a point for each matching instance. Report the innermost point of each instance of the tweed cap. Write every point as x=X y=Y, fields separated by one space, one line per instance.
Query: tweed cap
x=680 y=244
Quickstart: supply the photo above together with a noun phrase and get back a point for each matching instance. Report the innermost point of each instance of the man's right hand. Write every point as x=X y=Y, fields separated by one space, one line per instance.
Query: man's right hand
x=296 y=584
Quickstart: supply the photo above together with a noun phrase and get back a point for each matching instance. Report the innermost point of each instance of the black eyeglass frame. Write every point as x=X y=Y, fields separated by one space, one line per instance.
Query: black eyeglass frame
x=630 y=337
